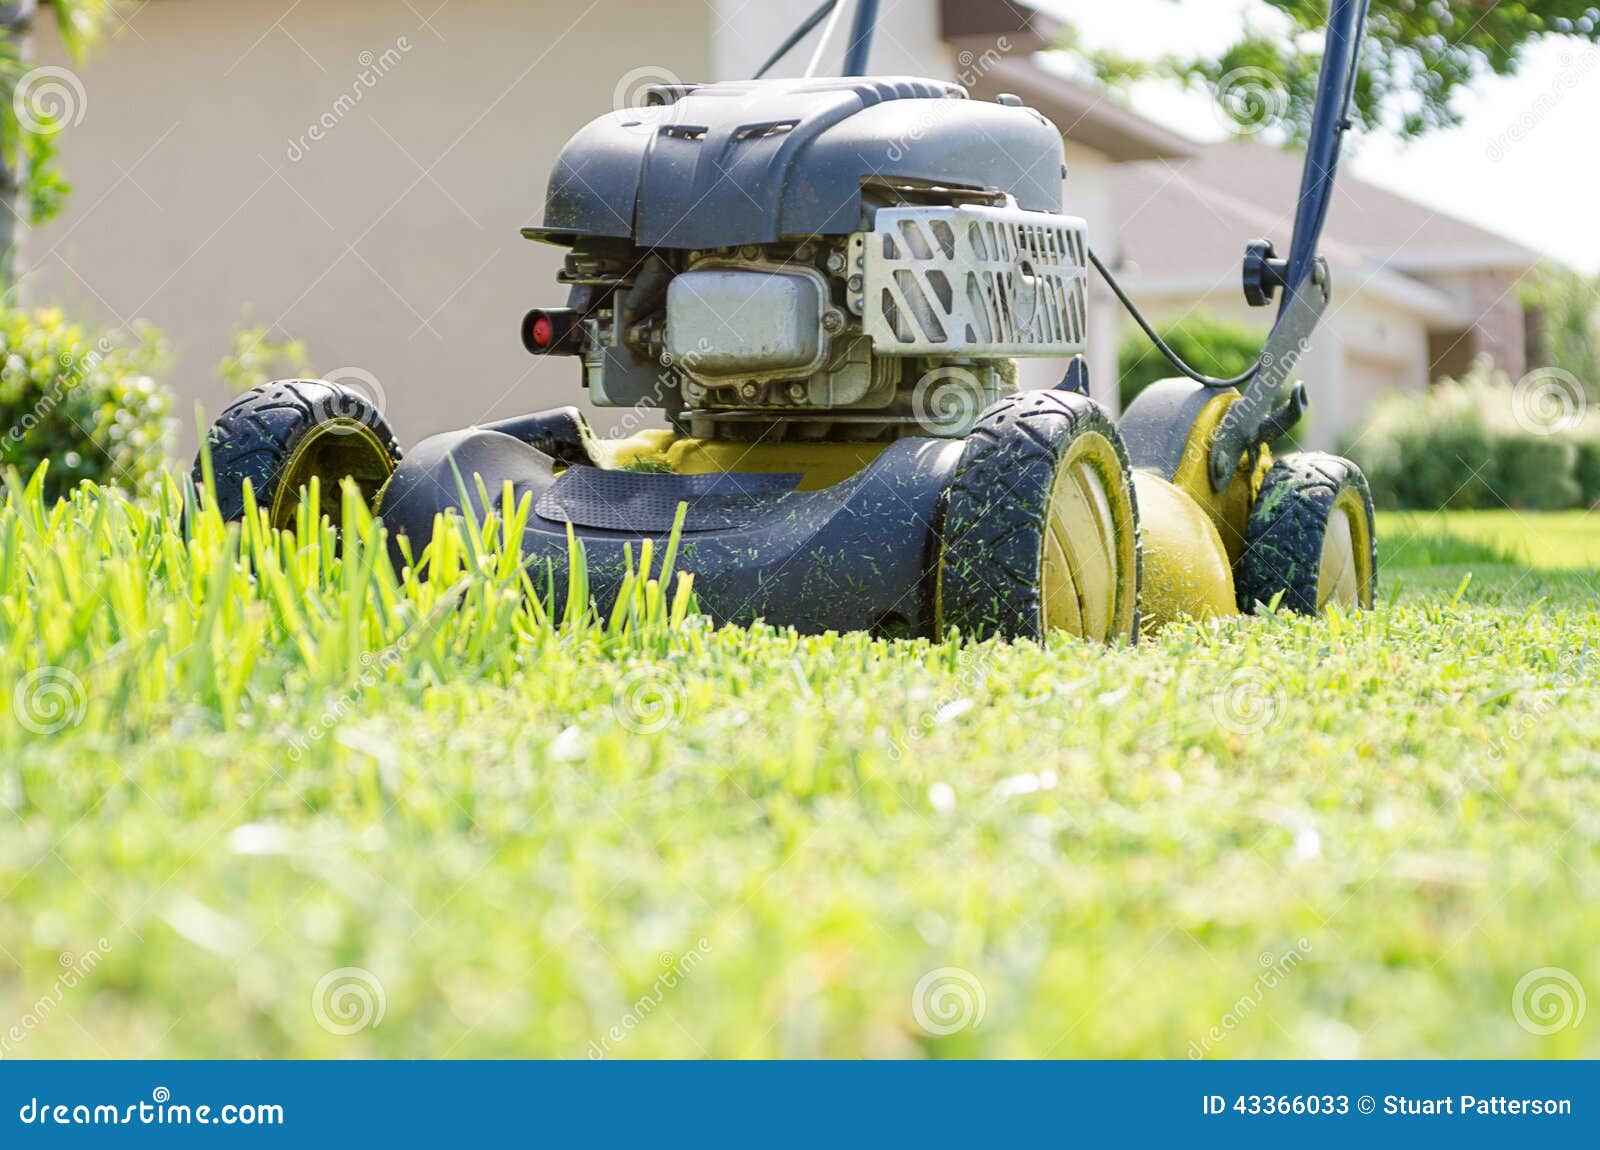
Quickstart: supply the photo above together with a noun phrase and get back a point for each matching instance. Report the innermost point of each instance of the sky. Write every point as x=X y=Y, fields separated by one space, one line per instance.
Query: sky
x=1524 y=163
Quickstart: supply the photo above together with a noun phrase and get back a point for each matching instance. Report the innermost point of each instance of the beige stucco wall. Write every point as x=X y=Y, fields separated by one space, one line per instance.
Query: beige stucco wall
x=391 y=245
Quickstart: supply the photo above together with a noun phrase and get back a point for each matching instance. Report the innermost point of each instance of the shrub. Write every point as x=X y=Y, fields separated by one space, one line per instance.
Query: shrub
x=1566 y=334
x=88 y=405
x=1536 y=473
x=1207 y=344
x=1460 y=445
x=257 y=358
x=1589 y=469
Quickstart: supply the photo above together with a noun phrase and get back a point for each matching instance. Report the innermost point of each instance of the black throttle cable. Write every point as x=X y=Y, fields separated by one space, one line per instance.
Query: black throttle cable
x=1172 y=357
x=796 y=36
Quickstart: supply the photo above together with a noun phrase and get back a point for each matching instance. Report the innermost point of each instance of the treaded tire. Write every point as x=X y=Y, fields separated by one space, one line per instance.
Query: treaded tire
x=1285 y=535
x=285 y=431
x=1028 y=457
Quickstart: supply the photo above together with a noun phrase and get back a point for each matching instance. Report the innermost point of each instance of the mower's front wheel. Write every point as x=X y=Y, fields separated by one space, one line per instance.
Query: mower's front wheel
x=1310 y=536
x=1041 y=529
x=281 y=435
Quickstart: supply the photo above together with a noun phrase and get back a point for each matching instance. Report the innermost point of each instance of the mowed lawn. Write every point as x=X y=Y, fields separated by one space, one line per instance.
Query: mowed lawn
x=290 y=804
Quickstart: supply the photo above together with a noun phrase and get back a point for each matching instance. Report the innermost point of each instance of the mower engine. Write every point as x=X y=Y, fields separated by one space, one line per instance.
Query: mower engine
x=825 y=284
x=825 y=259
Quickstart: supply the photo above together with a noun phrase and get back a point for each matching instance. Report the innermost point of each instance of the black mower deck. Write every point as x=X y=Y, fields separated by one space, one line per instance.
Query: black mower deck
x=855 y=556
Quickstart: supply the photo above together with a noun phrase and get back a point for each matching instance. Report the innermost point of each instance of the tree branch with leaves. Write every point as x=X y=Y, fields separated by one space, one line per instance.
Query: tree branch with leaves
x=32 y=188
x=1418 y=56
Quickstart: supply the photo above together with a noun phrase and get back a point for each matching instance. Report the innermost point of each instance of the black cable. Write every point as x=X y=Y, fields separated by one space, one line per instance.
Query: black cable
x=1173 y=357
x=796 y=36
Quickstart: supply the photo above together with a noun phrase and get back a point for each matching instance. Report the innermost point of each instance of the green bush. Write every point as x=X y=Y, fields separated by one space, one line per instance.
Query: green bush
x=1589 y=469
x=257 y=358
x=88 y=405
x=1207 y=344
x=1461 y=445
x=1536 y=473
x=1567 y=332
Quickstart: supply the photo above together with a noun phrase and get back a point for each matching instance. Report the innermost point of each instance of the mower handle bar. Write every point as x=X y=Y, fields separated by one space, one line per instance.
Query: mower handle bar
x=1330 y=119
x=1255 y=415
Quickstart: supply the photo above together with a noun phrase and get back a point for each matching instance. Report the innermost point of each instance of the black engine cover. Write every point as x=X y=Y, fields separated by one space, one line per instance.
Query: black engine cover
x=751 y=162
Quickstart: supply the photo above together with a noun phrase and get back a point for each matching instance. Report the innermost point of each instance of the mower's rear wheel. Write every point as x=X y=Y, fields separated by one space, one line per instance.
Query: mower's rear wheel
x=1311 y=537
x=1041 y=531
x=281 y=435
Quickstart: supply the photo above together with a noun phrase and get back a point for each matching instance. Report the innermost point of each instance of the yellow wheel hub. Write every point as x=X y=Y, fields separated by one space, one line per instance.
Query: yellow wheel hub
x=330 y=451
x=1090 y=549
x=1344 y=573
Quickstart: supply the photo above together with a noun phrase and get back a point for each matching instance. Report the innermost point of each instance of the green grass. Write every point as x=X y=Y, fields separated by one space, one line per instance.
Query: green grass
x=1555 y=540
x=283 y=783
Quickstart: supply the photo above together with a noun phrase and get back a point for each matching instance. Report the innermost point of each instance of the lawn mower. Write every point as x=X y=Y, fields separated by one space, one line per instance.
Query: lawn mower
x=823 y=284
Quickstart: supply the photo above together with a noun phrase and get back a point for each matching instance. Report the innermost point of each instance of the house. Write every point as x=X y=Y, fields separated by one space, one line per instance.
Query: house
x=356 y=172
x=1417 y=293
